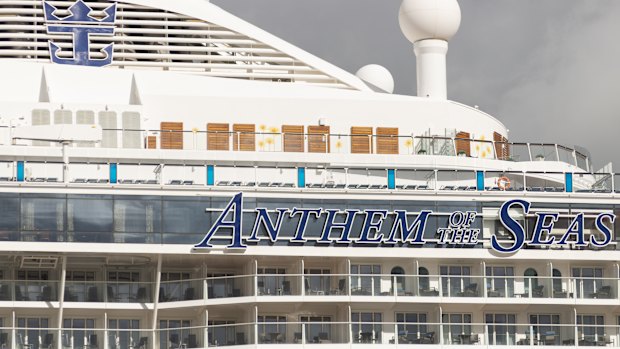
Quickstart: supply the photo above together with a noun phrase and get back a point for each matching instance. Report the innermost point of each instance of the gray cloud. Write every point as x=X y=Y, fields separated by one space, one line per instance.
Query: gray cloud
x=550 y=70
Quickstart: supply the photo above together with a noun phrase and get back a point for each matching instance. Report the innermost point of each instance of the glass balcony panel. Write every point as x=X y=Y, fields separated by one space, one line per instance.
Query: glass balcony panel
x=473 y=334
x=372 y=285
x=83 y=338
x=279 y=285
x=582 y=161
x=589 y=335
x=236 y=176
x=595 y=288
x=184 y=175
x=496 y=181
x=278 y=332
x=599 y=182
x=35 y=337
x=84 y=291
x=322 y=333
x=413 y=333
x=325 y=285
x=44 y=172
x=371 y=332
x=129 y=292
x=544 y=152
x=461 y=286
x=128 y=339
x=415 y=180
x=230 y=286
x=191 y=338
x=567 y=155
x=326 y=178
x=457 y=180
x=230 y=335
x=140 y=173
x=276 y=177
x=36 y=291
x=519 y=152
x=181 y=290
x=545 y=182
x=617 y=183
x=482 y=149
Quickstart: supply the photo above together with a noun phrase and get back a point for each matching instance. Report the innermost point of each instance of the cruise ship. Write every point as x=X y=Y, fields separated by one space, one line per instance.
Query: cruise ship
x=172 y=176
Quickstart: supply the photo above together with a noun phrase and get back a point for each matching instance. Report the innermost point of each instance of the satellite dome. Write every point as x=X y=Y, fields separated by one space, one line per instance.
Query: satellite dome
x=377 y=76
x=429 y=19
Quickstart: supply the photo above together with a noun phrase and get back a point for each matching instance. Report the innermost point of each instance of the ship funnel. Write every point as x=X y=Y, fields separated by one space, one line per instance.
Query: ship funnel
x=429 y=25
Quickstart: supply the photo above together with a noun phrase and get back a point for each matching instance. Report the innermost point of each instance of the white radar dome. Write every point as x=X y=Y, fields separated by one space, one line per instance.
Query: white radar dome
x=377 y=76
x=429 y=19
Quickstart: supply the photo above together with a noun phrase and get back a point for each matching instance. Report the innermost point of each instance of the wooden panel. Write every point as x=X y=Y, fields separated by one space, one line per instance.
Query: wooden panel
x=387 y=140
x=318 y=139
x=293 y=138
x=361 y=140
x=502 y=148
x=244 y=137
x=172 y=135
x=463 y=144
x=151 y=142
x=218 y=137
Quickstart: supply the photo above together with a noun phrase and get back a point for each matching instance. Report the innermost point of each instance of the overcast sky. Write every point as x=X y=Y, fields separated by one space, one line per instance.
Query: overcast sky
x=548 y=69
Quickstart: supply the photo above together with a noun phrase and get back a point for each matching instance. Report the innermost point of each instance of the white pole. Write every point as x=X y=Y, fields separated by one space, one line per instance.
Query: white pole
x=431 y=68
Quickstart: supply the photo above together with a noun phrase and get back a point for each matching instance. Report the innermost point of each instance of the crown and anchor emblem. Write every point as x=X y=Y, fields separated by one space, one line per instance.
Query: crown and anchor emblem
x=81 y=23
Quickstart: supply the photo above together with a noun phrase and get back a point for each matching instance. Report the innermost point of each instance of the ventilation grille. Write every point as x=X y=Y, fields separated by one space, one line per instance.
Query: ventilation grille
x=156 y=39
x=38 y=262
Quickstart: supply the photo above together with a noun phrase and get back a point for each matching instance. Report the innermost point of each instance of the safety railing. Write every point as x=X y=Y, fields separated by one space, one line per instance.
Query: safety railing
x=365 y=328
x=270 y=177
x=273 y=140
x=317 y=285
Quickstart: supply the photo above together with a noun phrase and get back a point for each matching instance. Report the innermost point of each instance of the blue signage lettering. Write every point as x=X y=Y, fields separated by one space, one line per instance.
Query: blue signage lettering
x=371 y=226
x=461 y=230
x=330 y=225
x=542 y=227
x=263 y=220
x=512 y=227
x=303 y=221
x=603 y=229
x=575 y=228
x=401 y=227
x=235 y=207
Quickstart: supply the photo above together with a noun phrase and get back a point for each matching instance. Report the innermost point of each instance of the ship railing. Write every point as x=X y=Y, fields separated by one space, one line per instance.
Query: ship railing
x=29 y=290
x=316 y=285
x=312 y=177
x=364 y=328
x=389 y=143
x=108 y=291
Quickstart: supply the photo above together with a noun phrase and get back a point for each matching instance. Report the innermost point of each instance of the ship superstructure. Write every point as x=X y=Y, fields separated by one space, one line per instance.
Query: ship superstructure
x=174 y=177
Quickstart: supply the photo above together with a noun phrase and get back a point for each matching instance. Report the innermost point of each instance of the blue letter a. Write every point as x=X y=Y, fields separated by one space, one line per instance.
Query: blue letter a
x=236 y=207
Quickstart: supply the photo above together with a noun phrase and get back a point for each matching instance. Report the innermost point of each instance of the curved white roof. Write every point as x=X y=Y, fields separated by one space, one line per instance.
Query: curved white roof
x=192 y=36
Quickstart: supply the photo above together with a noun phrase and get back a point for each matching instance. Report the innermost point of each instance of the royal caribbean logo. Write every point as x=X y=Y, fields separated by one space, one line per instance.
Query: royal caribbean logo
x=81 y=24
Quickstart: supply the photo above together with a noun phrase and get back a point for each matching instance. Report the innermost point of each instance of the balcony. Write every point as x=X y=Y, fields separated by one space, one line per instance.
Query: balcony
x=492 y=288
x=327 y=334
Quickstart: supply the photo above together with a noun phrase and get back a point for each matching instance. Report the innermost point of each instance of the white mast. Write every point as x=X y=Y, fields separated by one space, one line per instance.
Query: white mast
x=429 y=25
